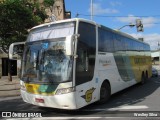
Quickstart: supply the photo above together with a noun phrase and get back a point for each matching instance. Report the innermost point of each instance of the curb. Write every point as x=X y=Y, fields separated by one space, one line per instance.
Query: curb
x=10 y=98
x=9 y=88
x=9 y=93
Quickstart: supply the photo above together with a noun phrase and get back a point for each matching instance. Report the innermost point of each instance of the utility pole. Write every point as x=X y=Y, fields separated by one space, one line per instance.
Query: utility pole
x=91 y=9
x=159 y=52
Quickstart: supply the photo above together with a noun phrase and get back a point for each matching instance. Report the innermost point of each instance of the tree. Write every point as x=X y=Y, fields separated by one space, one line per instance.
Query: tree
x=49 y=4
x=17 y=16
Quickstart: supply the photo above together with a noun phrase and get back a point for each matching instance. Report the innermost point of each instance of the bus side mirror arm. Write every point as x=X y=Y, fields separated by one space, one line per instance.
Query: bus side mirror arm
x=76 y=36
x=69 y=44
x=87 y=64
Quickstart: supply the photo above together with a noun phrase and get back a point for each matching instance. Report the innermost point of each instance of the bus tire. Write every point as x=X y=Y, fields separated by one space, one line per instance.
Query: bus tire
x=105 y=93
x=146 y=76
x=143 y=78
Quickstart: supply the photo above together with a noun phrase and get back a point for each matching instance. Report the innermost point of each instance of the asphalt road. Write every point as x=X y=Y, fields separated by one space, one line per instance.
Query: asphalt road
x=139 y=100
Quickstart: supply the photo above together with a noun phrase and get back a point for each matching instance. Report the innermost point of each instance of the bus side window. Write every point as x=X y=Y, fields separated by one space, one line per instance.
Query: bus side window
x=81 y=60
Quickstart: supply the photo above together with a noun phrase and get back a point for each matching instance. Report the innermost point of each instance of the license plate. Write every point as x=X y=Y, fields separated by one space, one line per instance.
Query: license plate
x=39 y=100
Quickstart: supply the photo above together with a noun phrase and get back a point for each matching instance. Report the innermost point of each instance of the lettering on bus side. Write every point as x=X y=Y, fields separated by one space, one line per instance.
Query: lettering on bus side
x=88 y=95
x=139 y=60
x=105 y=62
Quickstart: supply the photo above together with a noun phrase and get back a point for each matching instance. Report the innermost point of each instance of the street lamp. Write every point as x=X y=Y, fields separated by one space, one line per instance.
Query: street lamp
x=159 y=52
x=130 y=25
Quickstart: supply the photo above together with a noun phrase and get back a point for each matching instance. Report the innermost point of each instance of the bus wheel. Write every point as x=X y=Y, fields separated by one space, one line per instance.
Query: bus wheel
x=146 y=76
x=143 y=78
x=105 y=93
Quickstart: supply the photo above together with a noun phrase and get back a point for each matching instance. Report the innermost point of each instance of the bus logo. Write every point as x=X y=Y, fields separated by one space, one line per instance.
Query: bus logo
x=88 y=95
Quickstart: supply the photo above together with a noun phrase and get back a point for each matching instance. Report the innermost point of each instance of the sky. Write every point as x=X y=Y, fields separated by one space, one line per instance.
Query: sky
x=117 y=13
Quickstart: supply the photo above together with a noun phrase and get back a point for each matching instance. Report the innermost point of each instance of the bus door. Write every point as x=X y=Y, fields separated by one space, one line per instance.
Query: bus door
x=85 y=86
x=85 y=64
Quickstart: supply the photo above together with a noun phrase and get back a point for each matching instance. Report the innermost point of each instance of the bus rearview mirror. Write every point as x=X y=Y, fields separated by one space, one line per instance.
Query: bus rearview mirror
x=69 y=45
x=16 y=50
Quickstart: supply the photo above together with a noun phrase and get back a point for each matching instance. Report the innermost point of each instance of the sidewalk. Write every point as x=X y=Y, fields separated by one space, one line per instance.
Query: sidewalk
x=9 y=88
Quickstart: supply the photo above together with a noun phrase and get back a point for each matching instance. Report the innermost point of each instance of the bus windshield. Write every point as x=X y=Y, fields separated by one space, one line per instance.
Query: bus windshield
x=45 y=62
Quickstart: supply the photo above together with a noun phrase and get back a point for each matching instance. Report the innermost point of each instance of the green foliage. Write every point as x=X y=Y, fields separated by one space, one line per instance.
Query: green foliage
x=48 y=3
x=17 y=16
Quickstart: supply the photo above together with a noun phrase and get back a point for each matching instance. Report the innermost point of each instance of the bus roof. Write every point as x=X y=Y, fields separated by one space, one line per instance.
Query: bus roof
x=62 y=21
x=91 y=22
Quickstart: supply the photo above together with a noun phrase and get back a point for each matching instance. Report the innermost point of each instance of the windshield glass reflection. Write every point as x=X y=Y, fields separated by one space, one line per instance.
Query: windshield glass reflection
x=46 y=62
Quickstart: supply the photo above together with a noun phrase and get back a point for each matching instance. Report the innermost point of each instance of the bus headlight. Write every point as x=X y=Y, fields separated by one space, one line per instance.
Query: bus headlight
x=23 y=87
x=65 y=90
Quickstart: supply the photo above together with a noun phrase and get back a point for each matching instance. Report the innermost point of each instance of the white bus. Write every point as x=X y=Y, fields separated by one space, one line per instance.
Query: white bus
x=71 y=63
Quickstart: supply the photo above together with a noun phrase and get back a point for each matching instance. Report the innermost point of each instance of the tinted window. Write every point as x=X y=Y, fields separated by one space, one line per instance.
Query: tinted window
x=119 y=43
x=86 y=50
x=105 y=42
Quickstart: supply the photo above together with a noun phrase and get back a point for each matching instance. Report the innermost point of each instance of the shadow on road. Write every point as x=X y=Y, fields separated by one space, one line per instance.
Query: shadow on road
x=130 y=96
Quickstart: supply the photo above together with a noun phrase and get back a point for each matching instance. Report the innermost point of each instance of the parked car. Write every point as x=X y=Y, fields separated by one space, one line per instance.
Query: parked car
x=154 y=72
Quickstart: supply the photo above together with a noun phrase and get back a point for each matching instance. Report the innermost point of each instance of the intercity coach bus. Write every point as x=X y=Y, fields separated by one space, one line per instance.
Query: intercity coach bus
x=71 y=63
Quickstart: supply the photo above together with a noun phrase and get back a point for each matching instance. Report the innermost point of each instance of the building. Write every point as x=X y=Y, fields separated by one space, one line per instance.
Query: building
x=58 y=11
x=15 y=65
x=155 y=57
x=3 y=56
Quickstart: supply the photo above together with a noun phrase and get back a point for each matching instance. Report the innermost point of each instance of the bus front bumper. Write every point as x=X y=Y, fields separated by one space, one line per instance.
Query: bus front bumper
x=64 y=101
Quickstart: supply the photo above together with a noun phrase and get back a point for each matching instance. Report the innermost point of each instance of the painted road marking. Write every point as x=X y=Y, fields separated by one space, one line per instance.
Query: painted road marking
x=120 y=108
x=130 y=107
